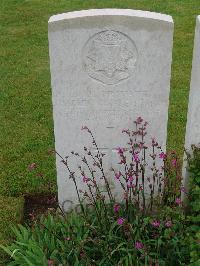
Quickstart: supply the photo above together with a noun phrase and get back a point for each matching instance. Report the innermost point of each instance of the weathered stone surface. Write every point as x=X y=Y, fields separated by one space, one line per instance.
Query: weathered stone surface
x=193 y=118
x=108 y=67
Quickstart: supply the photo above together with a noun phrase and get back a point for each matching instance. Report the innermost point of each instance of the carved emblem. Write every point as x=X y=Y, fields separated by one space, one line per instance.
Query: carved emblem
x=109 y=56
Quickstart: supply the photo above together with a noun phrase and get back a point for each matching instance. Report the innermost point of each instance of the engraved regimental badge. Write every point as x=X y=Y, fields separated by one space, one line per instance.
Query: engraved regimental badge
x=109 y=57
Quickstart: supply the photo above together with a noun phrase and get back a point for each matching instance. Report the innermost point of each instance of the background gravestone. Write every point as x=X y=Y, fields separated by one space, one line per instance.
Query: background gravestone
x=193 y=117
x=108 y=66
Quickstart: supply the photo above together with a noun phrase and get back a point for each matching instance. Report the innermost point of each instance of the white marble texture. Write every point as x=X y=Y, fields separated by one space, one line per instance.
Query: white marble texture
x=108 y=67
x=193 y=117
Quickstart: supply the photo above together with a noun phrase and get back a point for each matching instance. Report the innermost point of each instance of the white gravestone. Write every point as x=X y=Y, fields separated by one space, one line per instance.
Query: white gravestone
x=193 y=118
x=108 y=66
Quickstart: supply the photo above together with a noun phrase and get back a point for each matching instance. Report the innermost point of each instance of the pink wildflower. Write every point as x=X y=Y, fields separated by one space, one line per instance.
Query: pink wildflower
x=178 y=201
x=82 y=254
x=123 y=161
x=32 y=166
x=120 y=220
x=117 y=175
x=136 y=158
x=50 y=262
x=139 y=120
x=156 y=223
x=67 y=238
x=130 y=178
x=141 y=188
x=182 y=189
x=154 y=143
x=120 y=150
x=116 y=207
x=162 y=155
x=127 y=131
x=139 y=245
x=168 y=224
x=85 y=179
x=174 y=162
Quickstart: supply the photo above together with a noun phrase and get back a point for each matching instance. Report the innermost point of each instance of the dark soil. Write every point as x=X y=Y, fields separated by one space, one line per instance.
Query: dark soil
x=38 y=204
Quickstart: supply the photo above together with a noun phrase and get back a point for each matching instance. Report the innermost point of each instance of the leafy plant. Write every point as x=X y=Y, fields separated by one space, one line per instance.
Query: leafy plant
x=147 y=227
x=71 y=240
x=149 y=178
x=193 y=159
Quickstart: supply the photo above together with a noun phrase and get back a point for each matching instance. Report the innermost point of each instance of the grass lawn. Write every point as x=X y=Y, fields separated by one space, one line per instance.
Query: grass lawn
x=26 y=132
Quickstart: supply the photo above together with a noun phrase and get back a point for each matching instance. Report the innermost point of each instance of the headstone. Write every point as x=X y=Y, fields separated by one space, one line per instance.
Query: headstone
x=193 y=118
x=108 y=66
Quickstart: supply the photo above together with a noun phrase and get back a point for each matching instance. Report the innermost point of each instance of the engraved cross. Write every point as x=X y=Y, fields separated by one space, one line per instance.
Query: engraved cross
x=110 y=150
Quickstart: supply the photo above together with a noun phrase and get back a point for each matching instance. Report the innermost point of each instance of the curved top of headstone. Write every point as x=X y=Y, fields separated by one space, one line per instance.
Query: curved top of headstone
x=111 y=12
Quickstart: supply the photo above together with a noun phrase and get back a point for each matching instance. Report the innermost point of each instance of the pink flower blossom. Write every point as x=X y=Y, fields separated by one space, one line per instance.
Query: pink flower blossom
x=162 y=155
x=117 y=175
x=131 y=178
x=174 y=162
x=154 y=143
x=85 y=179
x=139 y=245
x=178 y=201
x=123 y=161
x=182 y=189
x=82 y=254
x=156 y=223
x=67 y=238
x=32 y=166
x=116 y=207
x=168 y=224
x=127 y=131
x=136 y=158
x=120 y=150
x=50 y=262
x=120 y=220
x=139 y=120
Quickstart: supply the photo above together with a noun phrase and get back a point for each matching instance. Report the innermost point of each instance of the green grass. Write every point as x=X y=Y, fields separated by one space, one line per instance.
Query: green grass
x=26 y=127
x=11 y=213
x=26 y=131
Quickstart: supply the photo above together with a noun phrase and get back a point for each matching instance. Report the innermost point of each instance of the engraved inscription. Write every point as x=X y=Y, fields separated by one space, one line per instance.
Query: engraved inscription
x=109 y=57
